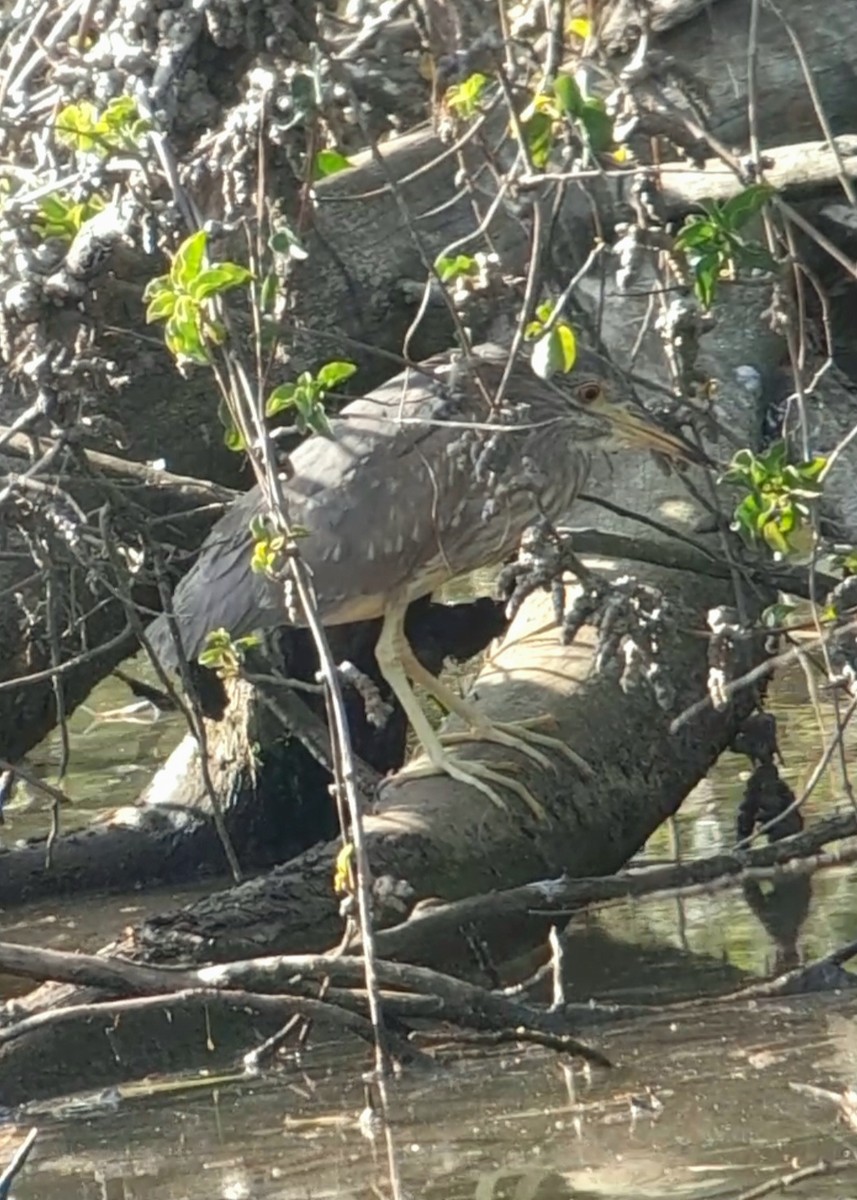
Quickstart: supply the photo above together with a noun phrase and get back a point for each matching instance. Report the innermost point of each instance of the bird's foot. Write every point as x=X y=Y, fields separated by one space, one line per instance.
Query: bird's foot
x=476 y=775
x=520 y=736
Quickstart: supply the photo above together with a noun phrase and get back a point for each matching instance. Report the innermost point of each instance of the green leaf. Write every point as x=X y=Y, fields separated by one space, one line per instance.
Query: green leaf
x=280 y=399
x=182 y=333
x=450 y=268
x=742 y=460
x=284 y=241
x=568 y=95
x=120 y=111
x=75 y=125
x=189 y=260
x=333 y=373
x=568 y=346
x=161 y=306
x=554 y=352
x=538 y=137
x=773 y=536
x=464 y=97
x=697 y=233
x=329 y=162
x=777 y=615
x=544 y=311
x=53 y=207
x=747 y=514
x=814 y=468
x=219 y=278
x=317 y=421
x=233 y=440
x=268 y=293
x=774 y=457
x=706 y=272
x=598 y=125
x=154 y=287
x=739 y=210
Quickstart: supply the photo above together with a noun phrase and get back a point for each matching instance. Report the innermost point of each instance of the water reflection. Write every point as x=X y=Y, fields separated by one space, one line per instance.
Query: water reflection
x=498 y=1127
x=700 y=1105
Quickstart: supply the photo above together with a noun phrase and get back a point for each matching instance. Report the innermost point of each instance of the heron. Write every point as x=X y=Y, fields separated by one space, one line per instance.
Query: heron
x=426 y=479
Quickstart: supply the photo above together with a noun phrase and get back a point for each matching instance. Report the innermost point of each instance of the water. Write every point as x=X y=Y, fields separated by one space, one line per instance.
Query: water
x=699 y=1108
x=699 y=1105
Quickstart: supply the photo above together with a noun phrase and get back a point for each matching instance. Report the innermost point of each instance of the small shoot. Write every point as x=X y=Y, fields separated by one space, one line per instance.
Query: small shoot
x=714 y=245
x=465 y=99
x=184 y=300
x=306 y=397
x=329 y=162
x=550 y=113
x=226 y=655
x=450 y=269
x=777 y=508
x=60 y=217
x=344 y=875
x=271 y=546
x=118 y=128
x=580 y=27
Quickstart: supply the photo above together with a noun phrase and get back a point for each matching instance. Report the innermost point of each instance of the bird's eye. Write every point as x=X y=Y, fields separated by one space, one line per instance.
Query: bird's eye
x=588 y=393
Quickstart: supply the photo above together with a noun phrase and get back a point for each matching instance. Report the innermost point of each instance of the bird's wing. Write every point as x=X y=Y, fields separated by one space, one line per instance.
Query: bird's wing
x=360 y=495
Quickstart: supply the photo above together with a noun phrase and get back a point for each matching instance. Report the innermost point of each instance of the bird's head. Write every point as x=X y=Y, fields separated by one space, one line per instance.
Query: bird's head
x=598 y=407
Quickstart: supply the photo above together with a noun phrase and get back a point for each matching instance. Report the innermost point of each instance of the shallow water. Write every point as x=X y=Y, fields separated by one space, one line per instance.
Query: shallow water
x=698 y=1106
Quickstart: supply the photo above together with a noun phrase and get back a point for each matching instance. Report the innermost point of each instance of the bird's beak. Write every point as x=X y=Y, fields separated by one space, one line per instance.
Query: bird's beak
x=643 y=432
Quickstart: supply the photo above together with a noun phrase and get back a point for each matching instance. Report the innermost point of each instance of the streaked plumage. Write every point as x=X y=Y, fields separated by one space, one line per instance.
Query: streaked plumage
x=402 y=498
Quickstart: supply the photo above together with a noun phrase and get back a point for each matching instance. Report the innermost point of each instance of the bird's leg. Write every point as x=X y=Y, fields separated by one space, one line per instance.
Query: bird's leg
x=389 y=652
x=517 y=735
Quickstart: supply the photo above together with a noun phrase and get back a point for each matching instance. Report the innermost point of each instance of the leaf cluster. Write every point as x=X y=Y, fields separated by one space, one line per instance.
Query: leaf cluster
x=465 y=98
x=61 y=217
x=555 y=346
x=547 y=116
x=715 y=245
x=226 y=655
x=777 y=507
x=183 y=299
x=119 y=127
x=306 y=396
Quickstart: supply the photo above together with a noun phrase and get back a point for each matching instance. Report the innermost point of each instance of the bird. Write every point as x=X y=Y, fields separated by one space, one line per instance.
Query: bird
x=427 y=478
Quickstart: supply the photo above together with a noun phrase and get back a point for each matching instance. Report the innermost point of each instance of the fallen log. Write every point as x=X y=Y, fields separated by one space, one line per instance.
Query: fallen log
x=275 y=801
